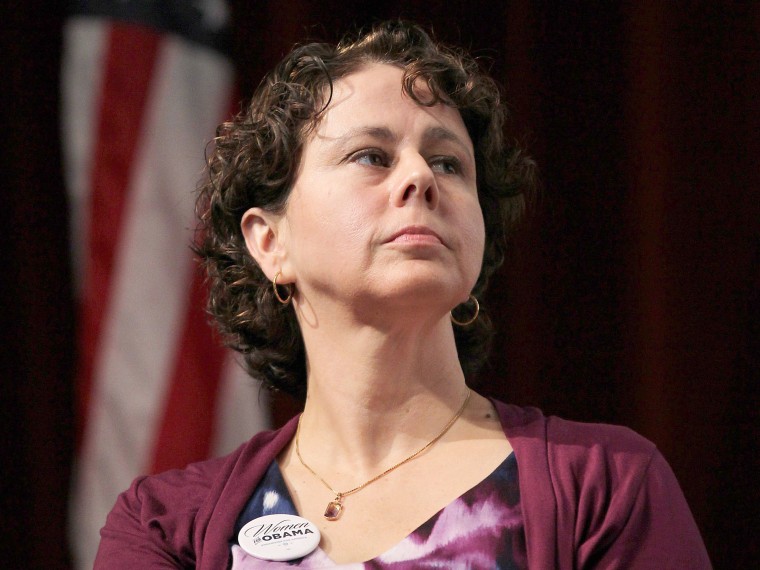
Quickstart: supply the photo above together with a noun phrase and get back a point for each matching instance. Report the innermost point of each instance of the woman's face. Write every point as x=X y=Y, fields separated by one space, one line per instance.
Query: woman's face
x=384 y=208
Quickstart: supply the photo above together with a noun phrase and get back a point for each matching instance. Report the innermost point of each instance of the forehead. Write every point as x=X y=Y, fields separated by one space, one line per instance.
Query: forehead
x=374 y=95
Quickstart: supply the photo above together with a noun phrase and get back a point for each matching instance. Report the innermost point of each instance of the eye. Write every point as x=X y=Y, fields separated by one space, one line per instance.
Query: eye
x=370 y=157
x=446 y=164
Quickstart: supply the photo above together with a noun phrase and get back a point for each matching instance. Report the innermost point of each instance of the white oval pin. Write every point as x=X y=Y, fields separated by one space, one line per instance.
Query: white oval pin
x=279 y=537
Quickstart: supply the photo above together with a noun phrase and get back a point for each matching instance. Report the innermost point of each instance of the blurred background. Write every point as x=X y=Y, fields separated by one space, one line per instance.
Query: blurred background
x=630 y=295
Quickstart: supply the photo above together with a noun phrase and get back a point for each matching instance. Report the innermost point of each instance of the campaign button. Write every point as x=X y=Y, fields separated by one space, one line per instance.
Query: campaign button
x=279 y=537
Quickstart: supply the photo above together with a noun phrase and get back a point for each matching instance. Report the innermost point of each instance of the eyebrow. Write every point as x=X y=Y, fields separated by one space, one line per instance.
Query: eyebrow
x=382 y=133
x=444 y=134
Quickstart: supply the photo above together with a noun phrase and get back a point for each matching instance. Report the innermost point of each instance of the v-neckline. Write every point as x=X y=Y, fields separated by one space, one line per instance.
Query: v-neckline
x=276 y=480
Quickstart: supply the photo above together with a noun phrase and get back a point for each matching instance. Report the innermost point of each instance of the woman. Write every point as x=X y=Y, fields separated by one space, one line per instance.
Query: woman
x=351 y=220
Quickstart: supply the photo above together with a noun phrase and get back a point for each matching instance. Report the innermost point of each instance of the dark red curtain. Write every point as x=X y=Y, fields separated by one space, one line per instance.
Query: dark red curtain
x=630 y=295
x=36 y=312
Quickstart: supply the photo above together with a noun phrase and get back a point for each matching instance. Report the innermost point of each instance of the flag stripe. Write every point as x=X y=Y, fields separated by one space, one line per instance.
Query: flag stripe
x=130 y=62
x=154 y=263
x=83 y=70
x=139 y=336
x=160 y=392
x=243 y=407
x=148 y=287
x=187 y=424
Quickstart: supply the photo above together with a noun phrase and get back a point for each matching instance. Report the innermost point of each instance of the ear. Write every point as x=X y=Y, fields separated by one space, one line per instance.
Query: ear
x=261 y=230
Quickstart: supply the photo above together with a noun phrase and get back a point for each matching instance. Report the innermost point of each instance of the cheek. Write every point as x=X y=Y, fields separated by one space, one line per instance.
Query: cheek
x=353 y=218
x=337 y=229
x=475 y=240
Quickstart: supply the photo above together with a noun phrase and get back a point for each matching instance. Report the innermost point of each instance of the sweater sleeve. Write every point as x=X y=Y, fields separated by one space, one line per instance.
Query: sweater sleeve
x=151 y=526
x=649 y=527
x=184 y=518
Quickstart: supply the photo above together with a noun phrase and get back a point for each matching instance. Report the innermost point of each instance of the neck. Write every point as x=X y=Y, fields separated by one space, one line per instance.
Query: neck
x=377 y=394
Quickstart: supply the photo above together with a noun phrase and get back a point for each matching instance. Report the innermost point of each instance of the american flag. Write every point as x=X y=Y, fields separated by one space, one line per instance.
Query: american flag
x=144 y=86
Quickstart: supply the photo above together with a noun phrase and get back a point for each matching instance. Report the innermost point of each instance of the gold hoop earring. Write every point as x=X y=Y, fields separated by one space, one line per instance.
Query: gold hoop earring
x=277 y=292
x=474 y=317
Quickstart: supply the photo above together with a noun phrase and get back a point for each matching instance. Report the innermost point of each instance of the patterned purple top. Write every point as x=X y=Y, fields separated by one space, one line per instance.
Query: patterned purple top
x=481 y=529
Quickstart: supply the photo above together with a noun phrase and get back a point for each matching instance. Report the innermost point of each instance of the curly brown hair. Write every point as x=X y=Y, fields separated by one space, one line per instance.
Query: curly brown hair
x=256 y=155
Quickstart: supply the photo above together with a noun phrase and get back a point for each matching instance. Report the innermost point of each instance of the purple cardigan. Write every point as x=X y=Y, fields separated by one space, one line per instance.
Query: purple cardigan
x=592 y=496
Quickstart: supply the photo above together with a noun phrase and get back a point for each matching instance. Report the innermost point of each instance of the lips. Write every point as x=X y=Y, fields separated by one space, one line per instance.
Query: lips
x=416 y=235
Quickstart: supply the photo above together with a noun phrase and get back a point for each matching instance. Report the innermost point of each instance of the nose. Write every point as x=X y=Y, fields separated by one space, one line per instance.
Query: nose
x=416 y=183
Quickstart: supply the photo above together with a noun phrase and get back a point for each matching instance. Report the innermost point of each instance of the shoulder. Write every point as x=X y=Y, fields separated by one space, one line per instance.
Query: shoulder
x=163 y=516
x=611 y=448
x=585 y=467
x=619 y=499
x=599 y=468
x=607 y=493
x=569 y=441
x=184 y=490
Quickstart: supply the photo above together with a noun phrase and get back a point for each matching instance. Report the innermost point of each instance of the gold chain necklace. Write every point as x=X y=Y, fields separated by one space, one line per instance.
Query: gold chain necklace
x=335 y=507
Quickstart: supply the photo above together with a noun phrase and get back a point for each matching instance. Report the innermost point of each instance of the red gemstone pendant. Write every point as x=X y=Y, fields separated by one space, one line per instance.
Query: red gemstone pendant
x=334 y=509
